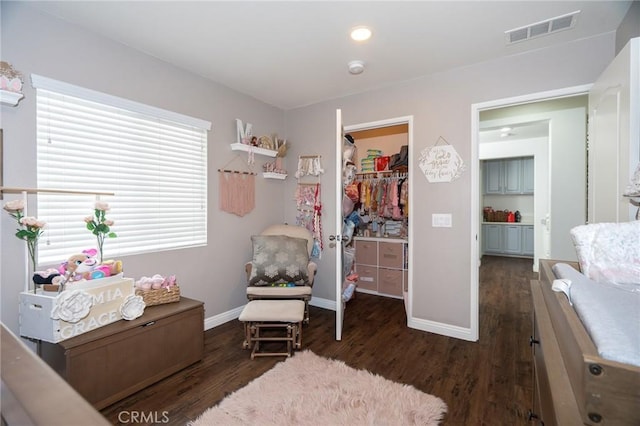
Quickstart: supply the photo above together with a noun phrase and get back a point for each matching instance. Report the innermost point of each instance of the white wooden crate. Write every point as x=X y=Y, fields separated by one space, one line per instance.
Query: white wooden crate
x=107 y=294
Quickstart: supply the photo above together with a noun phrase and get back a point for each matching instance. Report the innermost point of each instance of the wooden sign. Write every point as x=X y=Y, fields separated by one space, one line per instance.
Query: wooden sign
x=441 y=163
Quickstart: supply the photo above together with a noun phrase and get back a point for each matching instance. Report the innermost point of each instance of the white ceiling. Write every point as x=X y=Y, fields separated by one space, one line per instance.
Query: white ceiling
x=515 y=131
x=295 y=53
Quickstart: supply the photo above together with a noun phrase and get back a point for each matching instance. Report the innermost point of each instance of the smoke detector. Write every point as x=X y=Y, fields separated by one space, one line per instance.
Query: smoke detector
x=356 y=67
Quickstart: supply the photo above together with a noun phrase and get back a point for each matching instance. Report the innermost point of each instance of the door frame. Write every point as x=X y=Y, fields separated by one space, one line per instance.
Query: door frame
x=539 y=149
x=408 y=120
x=475 y=178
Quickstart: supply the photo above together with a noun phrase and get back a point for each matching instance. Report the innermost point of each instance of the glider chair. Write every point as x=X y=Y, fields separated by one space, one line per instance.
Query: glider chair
x=281 y=267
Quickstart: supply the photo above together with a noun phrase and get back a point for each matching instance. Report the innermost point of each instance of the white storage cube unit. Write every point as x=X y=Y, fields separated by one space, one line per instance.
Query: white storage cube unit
x=41 y=313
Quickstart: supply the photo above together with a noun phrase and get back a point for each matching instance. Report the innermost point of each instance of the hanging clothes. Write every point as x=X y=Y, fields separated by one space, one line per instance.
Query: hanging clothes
x=317 y=219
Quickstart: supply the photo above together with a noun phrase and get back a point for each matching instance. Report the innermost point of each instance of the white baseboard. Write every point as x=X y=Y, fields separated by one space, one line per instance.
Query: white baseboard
x=323 y=303
x=418 y=324
x=224 y=317
x=442 y=329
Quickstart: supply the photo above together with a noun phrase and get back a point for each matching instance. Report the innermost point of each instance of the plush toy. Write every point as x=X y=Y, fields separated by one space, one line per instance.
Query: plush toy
x=84 y=266
x=49 y=276
x=155 y=282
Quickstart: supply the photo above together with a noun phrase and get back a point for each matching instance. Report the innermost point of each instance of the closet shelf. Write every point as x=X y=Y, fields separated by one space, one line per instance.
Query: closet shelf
x=271 y=175
x=260 y=151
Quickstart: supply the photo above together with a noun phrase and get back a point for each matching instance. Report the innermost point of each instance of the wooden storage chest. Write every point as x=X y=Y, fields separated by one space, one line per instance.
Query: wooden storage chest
x=117 y=360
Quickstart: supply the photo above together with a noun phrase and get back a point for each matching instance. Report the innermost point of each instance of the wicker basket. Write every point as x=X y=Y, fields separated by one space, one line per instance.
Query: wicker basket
x=160 y=296
x=500 y=216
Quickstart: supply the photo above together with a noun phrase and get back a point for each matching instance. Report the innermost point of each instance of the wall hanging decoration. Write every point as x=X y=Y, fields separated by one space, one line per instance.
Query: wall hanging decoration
x=309 y=200
x=309 y=213
x=309 y=165
x=237 y=190
x=441 y=162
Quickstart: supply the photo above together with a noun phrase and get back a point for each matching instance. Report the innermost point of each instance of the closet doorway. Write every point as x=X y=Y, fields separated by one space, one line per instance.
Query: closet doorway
x=384 y=261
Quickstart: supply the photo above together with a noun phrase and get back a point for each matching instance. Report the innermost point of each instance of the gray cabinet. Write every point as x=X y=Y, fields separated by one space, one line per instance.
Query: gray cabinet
x=512 y=239
x=527 y=175
x=511 y=176
x=492 y=238
x=508 y=240
x=493 y=177
x=527 y=241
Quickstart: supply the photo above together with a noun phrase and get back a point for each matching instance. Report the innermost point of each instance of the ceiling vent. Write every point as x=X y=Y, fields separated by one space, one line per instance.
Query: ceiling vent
x=538 y=29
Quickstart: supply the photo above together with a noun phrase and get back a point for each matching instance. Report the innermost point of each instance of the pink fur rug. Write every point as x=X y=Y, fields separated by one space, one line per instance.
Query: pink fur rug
x=310 y=390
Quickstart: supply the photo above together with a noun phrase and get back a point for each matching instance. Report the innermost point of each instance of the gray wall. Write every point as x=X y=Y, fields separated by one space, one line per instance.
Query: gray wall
x=37 y=43
x=440 y=104
x=629 y=27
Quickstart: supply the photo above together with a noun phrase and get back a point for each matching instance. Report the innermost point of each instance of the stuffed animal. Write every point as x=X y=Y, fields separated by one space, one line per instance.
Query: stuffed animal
x=84 y=266
x=48 y=276
x=155 y=282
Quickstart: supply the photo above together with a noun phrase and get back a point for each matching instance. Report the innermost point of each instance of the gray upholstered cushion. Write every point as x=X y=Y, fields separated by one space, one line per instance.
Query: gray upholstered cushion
x=279 y=259
x=609 y=314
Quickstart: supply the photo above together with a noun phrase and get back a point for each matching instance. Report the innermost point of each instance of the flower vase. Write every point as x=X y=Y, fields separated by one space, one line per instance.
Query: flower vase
x=31 y=270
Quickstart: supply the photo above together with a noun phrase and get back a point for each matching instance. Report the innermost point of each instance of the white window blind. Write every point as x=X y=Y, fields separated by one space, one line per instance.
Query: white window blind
x=154 y=161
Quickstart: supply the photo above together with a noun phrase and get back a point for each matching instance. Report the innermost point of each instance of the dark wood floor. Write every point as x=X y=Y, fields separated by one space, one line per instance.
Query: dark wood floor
x=488 y=382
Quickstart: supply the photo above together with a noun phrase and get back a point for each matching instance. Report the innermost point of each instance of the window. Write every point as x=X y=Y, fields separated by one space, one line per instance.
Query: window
x=153 y=161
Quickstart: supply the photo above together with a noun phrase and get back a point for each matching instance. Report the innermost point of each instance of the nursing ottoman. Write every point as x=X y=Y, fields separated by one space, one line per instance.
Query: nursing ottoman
x=263 y=318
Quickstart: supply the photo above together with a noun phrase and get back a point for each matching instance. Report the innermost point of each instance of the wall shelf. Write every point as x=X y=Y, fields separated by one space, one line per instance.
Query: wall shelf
x=255 y=149
x=272 y=175
x=10 y=98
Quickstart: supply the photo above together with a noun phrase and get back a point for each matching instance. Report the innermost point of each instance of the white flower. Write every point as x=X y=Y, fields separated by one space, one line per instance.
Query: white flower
x=132 y=307
x=72 y=306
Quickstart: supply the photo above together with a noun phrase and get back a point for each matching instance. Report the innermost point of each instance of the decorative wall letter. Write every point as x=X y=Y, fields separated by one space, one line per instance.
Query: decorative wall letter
x=243 y=133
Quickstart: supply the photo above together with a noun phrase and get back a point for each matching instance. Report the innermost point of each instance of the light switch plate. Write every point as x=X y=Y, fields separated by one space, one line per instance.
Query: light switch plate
x=441 y=220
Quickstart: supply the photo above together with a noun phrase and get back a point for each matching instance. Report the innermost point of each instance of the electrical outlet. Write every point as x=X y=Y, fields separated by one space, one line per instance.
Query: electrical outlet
x=441 y=220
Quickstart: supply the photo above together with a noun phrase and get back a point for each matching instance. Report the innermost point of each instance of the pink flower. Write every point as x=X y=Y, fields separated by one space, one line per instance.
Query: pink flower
x=99 y=225
x=32 y=222
x=101 y=205
x=14 y=206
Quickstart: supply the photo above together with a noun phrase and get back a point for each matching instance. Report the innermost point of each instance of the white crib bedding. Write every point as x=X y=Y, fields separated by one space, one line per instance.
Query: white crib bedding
x=610 y=314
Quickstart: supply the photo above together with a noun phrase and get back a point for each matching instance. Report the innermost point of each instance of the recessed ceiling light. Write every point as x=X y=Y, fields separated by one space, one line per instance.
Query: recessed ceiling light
x=360 y=33
x=505 y=129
